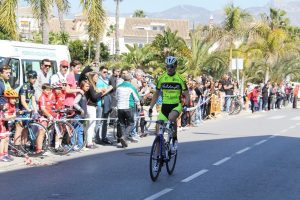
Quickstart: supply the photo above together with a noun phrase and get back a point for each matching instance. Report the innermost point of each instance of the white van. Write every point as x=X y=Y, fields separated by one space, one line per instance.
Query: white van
x=24 y=56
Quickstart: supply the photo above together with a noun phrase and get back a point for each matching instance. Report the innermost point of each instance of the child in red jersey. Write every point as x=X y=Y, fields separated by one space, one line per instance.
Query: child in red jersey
x=59 y=96
x=9 y=112
x=46 y=104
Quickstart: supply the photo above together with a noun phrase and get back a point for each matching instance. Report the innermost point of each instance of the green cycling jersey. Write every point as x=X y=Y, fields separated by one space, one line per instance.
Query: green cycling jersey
x=171 y=87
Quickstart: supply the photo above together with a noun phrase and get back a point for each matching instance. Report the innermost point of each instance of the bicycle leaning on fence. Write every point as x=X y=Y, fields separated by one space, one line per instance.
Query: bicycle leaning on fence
x=235 y=105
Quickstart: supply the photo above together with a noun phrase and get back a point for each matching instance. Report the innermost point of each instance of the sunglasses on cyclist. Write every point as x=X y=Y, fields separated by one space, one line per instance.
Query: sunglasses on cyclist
x=170 y=66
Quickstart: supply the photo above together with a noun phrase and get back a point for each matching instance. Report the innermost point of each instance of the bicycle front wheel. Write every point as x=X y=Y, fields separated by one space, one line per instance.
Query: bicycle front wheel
x=172 y=158
x=156 y=161
x=62 y=137
x=29 y=139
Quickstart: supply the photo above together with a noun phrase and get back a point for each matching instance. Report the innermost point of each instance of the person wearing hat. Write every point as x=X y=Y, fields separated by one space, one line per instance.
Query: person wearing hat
x=5 y=72
x=43 y=76
x=61 y=75
x=27 y=103
x=127 y=97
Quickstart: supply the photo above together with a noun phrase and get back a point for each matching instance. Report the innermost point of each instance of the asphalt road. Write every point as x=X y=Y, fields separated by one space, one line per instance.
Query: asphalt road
x=241 y=157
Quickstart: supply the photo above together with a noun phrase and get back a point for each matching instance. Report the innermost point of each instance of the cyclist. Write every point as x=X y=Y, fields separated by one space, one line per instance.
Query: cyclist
x=9 y=113
x=172 y=85
x=27 y=103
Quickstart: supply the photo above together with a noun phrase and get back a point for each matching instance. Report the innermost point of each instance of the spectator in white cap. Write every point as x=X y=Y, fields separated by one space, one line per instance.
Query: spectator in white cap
x=61 y=75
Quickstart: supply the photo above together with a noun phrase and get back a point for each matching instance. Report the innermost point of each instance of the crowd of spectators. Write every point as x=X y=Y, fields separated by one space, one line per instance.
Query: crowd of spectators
x=97 y=91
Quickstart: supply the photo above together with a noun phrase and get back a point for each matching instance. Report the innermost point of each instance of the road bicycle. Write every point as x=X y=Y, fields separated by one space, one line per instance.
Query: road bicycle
x=63 y=132
x=29 y=135
x=161 y=152
x=235 y=105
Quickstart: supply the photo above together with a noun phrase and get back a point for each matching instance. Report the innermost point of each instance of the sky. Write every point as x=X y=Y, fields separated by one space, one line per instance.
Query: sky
x=129 y=6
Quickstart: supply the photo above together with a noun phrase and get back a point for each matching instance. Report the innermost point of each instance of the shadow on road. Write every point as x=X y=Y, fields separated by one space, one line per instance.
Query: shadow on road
x=124 y=174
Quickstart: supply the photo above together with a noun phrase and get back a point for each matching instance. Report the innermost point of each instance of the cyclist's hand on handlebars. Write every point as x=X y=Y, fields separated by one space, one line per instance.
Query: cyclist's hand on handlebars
x=150 y=112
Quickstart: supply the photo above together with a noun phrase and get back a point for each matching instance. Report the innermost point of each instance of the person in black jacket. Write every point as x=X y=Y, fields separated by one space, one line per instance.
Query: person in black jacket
x=265 y=95
x=93 y=96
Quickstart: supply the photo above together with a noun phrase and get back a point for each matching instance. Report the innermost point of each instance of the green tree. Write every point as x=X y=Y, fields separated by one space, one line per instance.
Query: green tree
x=276 y=18
x=95 y=13
x=77 y=50
x=41 y=10
x=169 y=43
x=117 y=28
x=8 y=18
x=271 y=47
x=204 y=57
x=63 y=7
x=139 y=13
x=236 y=27
x=59 y=38
x=4 y=35
x=138 y=57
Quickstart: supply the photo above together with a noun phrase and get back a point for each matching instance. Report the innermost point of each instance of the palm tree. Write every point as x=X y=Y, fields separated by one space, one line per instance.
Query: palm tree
x=204 y=56
x=272 y=46
x=42 y=10
x=117 y=26
x=236 y=26
x=63 y=6
x=8 y=18
x=276 y=19
x=139 y=13
x=96 y=21
x=138 y=57
x=169 y=43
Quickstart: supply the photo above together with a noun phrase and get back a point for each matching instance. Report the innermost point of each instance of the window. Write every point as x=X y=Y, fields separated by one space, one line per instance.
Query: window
x=15 y=73
x=35 y=65
x=3 y=61
x=154 y=28
x=140 y=45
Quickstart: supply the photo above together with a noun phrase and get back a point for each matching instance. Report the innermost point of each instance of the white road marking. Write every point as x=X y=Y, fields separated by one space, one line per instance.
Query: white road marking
x=159 y=194
x=201 y=172
x=291 y=127
x=260 y=142
x=272 y=136
x=277 y=117
x=243 y=150
x=222 y=161
x=296 y=118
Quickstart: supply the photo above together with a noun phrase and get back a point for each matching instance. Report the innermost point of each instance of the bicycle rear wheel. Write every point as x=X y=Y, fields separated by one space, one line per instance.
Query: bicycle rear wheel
x=29 y=137
x=238 y=107
x=156 y=161
x=64 y=133
x=170 y=164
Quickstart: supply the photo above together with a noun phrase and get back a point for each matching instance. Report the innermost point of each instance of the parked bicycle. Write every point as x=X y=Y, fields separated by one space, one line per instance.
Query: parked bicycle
x=62 y=132
x=235 y=105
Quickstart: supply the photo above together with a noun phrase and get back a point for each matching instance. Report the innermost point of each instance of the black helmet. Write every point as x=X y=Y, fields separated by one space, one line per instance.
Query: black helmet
x=31 y=74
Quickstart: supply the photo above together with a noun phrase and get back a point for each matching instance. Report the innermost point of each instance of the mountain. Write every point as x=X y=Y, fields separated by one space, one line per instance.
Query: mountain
x=199 y=15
